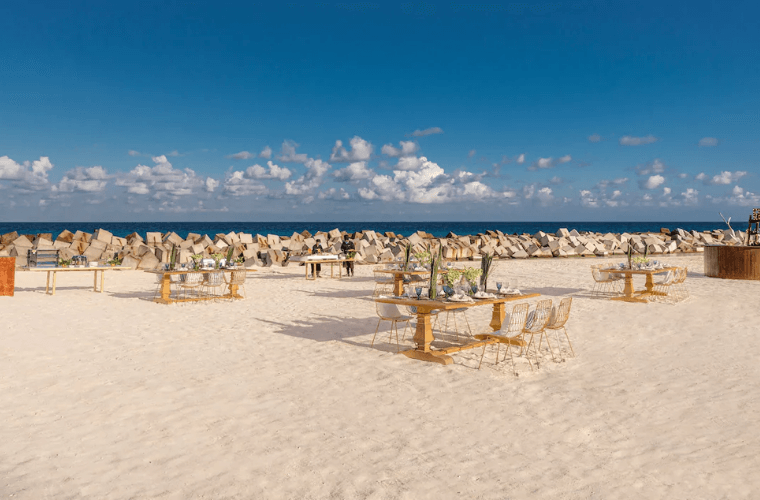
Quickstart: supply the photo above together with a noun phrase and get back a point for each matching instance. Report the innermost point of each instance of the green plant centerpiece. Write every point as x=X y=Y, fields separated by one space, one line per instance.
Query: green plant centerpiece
x=64 y=262
x=485 y=268
x=115 y=261
x=471 y=274
x=217 y=259
x=229 y=255
x=423 y=257
x=196 y=258
x=407 y=256
x=173 y=258
x=240 y=260
x=436 y=262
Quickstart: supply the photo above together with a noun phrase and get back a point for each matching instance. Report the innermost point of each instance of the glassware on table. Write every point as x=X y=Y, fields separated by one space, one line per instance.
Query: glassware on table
x=513 y=285
x=418 y=290
x=498 y=286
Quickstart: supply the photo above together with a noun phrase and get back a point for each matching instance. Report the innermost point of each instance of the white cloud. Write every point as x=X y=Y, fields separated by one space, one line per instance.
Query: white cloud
x=315 y=171
x=27 y=176
x=653 y=181
x=666 y=191
x=408 y=148
x=550 y=162
x=708 y=142
x=211 y=184
x=81 y=179
x=237 y=184
x=409 y=163
x=361 y=150
x=354 y=172
x=334 y=194
x=266 y=153
x=132 y=152
x=690 y=196
x=427 y=131
x=161 y=180
x=471 y=153
x=521 y=159
x=594 y=138
x=288 y=153
x=243 y=155
x=700 y=176
x=653 y=167
x=274 y=172
x=724 y=177
x=628 y=140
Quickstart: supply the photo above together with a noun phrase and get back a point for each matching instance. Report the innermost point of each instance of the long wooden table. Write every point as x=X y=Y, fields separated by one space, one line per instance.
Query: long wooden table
x=166 y=285
x=423 y=335
x=95 y=270
x=629 y=293
x=308 y=263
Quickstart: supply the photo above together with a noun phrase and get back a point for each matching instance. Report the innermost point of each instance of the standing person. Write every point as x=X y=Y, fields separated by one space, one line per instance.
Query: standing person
x=345 y=247
x=316 y=268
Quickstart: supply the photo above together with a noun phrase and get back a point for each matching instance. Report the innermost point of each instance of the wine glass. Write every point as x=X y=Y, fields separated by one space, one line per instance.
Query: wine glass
x=498 y=286
x=513 y=284
x=418 y=291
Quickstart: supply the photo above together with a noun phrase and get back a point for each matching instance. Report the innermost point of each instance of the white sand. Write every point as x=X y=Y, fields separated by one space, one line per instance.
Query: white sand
x=280 y=396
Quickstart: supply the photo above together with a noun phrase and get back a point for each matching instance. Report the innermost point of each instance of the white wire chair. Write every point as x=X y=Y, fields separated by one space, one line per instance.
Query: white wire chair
x=213 y=284
x=605 y=281
x=511 y=333
x=383 y=282
x=536 y=326
x=672 y=288
x=557 y=321
x=390 y=312
x=237 y=278
x=193 y=282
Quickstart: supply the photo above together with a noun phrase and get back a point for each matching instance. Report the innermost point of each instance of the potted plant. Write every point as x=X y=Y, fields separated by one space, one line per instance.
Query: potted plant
x=229 y=262
x=217 y=259
x=64 y=262
x=196 y=258
x=436 y=262
x=114 y=262
x=471 y=275
x=485 y=268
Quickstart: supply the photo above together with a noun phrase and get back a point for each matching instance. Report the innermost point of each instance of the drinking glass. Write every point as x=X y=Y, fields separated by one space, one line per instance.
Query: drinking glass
x=498 y=286
x=513 y=284
x=418 y=290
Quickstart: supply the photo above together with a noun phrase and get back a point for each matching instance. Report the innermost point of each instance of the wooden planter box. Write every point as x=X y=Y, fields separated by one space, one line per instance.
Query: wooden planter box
x=735 y=263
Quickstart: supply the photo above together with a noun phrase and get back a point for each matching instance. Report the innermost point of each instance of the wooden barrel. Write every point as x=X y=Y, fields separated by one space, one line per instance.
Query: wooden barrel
x=735 y=263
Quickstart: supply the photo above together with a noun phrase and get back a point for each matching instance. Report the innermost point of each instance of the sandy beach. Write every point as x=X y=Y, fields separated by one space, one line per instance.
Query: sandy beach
x=280 y=395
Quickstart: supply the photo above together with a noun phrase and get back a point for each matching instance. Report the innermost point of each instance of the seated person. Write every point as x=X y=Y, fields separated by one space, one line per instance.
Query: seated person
x=345 y=247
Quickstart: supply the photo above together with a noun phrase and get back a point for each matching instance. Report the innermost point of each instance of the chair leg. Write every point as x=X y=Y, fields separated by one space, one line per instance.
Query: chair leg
x=375 y=335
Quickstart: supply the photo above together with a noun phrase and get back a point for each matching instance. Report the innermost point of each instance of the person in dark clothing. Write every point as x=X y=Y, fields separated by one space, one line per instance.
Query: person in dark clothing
x=345 y=247
x=316 y=268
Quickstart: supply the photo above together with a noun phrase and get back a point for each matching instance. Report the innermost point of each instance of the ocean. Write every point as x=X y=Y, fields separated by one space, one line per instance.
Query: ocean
x=437 y=229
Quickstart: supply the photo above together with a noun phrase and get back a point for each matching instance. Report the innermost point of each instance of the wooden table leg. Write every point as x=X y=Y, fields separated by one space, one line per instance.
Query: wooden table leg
x=650 y=283
x=166 y=290
x=47 y=283
x=398 y=285
x=628 y=291
x=102 y=280
x=497 y=318
x=423 y=336
x=54 y=273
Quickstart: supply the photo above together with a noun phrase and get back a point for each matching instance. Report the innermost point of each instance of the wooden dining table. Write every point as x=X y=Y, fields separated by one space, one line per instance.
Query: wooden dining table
x=423 y=335
x=94 y=269
x=630 y=294
x=166 y=285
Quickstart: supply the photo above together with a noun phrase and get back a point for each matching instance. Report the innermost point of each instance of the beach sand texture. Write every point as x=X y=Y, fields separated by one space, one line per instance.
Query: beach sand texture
x=111 y=396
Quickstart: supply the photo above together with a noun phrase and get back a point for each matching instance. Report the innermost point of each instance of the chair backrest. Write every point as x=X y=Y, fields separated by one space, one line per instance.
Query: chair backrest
x=516 y=320
x=388 y=311
x=540 y=316
x=595 y=273
x=215 y=279
x=683 y=272
x=238 y=277
x=561 y=313
x=193 y=278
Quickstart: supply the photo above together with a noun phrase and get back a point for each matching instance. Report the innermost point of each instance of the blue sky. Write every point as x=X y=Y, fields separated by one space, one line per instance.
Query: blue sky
x=573 y=111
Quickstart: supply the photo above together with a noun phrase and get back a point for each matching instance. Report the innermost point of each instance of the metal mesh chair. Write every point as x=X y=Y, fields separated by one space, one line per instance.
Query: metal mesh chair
x=536 y=326
x=557 y=321
x=605 y=281
x=213 y=283
x=511 y=333
x=237 y=279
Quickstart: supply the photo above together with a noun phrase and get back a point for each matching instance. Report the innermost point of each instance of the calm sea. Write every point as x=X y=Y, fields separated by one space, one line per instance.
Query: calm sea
x=438 y=229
